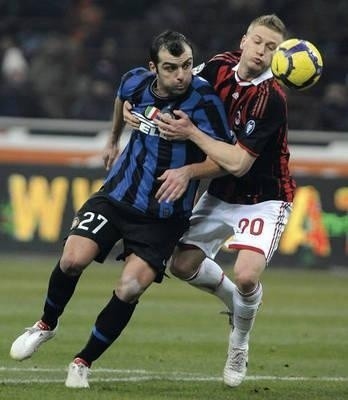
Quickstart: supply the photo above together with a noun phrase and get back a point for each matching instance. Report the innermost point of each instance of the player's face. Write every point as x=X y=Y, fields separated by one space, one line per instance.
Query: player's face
x=174 y=74
x=258 y=47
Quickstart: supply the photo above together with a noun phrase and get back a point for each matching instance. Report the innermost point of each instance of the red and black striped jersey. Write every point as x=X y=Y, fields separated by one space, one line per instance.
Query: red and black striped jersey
x=257 y=114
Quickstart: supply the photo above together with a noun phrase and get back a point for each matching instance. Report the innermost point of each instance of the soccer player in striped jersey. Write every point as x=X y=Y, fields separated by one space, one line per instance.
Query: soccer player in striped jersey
x=248 y=209
x=126 y=207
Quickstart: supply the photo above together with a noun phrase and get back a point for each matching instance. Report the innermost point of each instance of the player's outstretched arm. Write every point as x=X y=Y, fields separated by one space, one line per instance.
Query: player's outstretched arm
x=111 y=149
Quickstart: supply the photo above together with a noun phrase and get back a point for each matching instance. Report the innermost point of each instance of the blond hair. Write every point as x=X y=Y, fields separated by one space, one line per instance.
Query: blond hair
x=270 y=21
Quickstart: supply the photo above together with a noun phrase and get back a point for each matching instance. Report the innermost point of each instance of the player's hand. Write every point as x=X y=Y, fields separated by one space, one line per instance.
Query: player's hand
x=174 y=184
x=178 y=128
x=128 y=117
x=110 y=154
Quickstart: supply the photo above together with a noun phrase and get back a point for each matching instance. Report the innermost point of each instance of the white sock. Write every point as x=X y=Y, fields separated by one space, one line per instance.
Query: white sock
x=245 y=310
x=211 y=278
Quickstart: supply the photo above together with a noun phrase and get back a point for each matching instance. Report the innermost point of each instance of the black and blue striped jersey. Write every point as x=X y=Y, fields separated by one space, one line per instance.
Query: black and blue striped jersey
x=133 y=178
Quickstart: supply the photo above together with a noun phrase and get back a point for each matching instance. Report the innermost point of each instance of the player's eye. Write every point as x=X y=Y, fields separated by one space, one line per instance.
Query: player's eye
x=187 y=65
x=170 y=68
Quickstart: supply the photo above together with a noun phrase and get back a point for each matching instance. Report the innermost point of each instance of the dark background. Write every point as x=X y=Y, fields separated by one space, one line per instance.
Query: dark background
x=72 y=53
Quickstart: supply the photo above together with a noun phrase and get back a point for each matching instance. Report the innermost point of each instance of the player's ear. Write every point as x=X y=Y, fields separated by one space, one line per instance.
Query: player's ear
x=242 y=42
x=152 y=67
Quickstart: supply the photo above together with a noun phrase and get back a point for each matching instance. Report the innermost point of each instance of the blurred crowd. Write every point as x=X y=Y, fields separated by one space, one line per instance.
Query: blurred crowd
x=65 y=58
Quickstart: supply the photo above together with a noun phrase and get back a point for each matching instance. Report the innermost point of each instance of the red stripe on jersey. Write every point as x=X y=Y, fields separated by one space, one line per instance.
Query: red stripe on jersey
x=262 y=98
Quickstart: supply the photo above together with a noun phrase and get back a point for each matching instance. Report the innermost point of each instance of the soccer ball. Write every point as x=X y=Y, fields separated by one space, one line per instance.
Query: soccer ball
x=297 y=64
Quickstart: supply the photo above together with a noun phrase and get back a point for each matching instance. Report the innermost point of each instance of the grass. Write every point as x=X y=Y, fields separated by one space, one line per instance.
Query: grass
x=175 y=345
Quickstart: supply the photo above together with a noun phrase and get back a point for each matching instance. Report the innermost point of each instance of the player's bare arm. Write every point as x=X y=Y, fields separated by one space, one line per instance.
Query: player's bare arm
x=111 y=149
x=233 y=158
x=175 y=181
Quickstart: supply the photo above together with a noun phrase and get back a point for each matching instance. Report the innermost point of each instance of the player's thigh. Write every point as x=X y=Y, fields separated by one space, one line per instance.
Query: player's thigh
x=94 y=230
x=153 y=240
x=248 y=268
x=258 y=227
x=211 y=225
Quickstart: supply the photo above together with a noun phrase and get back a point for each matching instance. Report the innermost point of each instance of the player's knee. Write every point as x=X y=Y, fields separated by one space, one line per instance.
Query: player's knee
x=181 y=268
x=71 y=265
x=245 y=281
x=129 y=289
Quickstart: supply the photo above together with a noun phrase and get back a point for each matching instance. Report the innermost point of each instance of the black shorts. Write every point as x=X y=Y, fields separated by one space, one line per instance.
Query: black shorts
x=152 y=239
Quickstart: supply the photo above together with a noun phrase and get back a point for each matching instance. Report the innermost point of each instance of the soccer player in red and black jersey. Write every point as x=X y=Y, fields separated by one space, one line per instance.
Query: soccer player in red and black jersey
x=247 y=209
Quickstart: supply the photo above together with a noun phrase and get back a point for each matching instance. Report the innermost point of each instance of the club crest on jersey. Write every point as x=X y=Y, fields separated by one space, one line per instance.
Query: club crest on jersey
x=249 y=127
x=168 y=111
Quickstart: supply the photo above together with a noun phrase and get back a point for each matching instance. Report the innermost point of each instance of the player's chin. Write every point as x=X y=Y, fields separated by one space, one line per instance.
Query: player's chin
x=179 y=90
x=257 y=68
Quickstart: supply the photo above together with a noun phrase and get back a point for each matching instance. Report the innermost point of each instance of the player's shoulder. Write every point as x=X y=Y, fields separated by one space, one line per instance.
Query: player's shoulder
x=201 y=86
x=271 y=96
x=135 y=79
x=277 y=92
x=138 y=73
x=198 y=81
x=267 y=84
x=228 y=57
x=278 y=89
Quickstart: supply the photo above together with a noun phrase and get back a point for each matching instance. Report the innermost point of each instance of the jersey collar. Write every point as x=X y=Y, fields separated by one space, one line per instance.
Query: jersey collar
x=256 y=81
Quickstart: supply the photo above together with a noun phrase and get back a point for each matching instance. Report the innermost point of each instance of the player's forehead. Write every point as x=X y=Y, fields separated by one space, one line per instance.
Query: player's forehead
x=164 y=56
x=265 y=34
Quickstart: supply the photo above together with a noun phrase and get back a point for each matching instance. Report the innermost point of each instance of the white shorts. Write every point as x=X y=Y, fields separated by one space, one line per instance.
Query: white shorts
x=258 y=227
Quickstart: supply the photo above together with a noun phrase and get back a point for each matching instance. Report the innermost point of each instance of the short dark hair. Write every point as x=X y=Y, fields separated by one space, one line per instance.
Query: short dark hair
x=171 y=41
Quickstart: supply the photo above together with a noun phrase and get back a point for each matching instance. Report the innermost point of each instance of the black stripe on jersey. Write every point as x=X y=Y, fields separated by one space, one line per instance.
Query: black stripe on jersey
x=164 y=153
x=262 y=99
x=131 y=192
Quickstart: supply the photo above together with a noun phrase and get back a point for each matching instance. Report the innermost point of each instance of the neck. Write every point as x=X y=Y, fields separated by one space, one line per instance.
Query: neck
x=157 y=90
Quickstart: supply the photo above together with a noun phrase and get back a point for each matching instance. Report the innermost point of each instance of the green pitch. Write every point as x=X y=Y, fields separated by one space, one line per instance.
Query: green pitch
x=175 y=346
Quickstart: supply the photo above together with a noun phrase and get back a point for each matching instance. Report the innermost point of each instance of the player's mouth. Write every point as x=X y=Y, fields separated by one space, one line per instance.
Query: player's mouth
x=257 y=61
x=180 y=88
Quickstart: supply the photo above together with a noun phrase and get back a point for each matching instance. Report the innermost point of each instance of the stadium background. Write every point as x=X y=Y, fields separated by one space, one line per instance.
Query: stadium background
x=61 y=62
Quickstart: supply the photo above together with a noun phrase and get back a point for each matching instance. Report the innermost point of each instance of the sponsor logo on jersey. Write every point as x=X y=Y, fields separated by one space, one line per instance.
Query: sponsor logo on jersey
x=147 y=125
